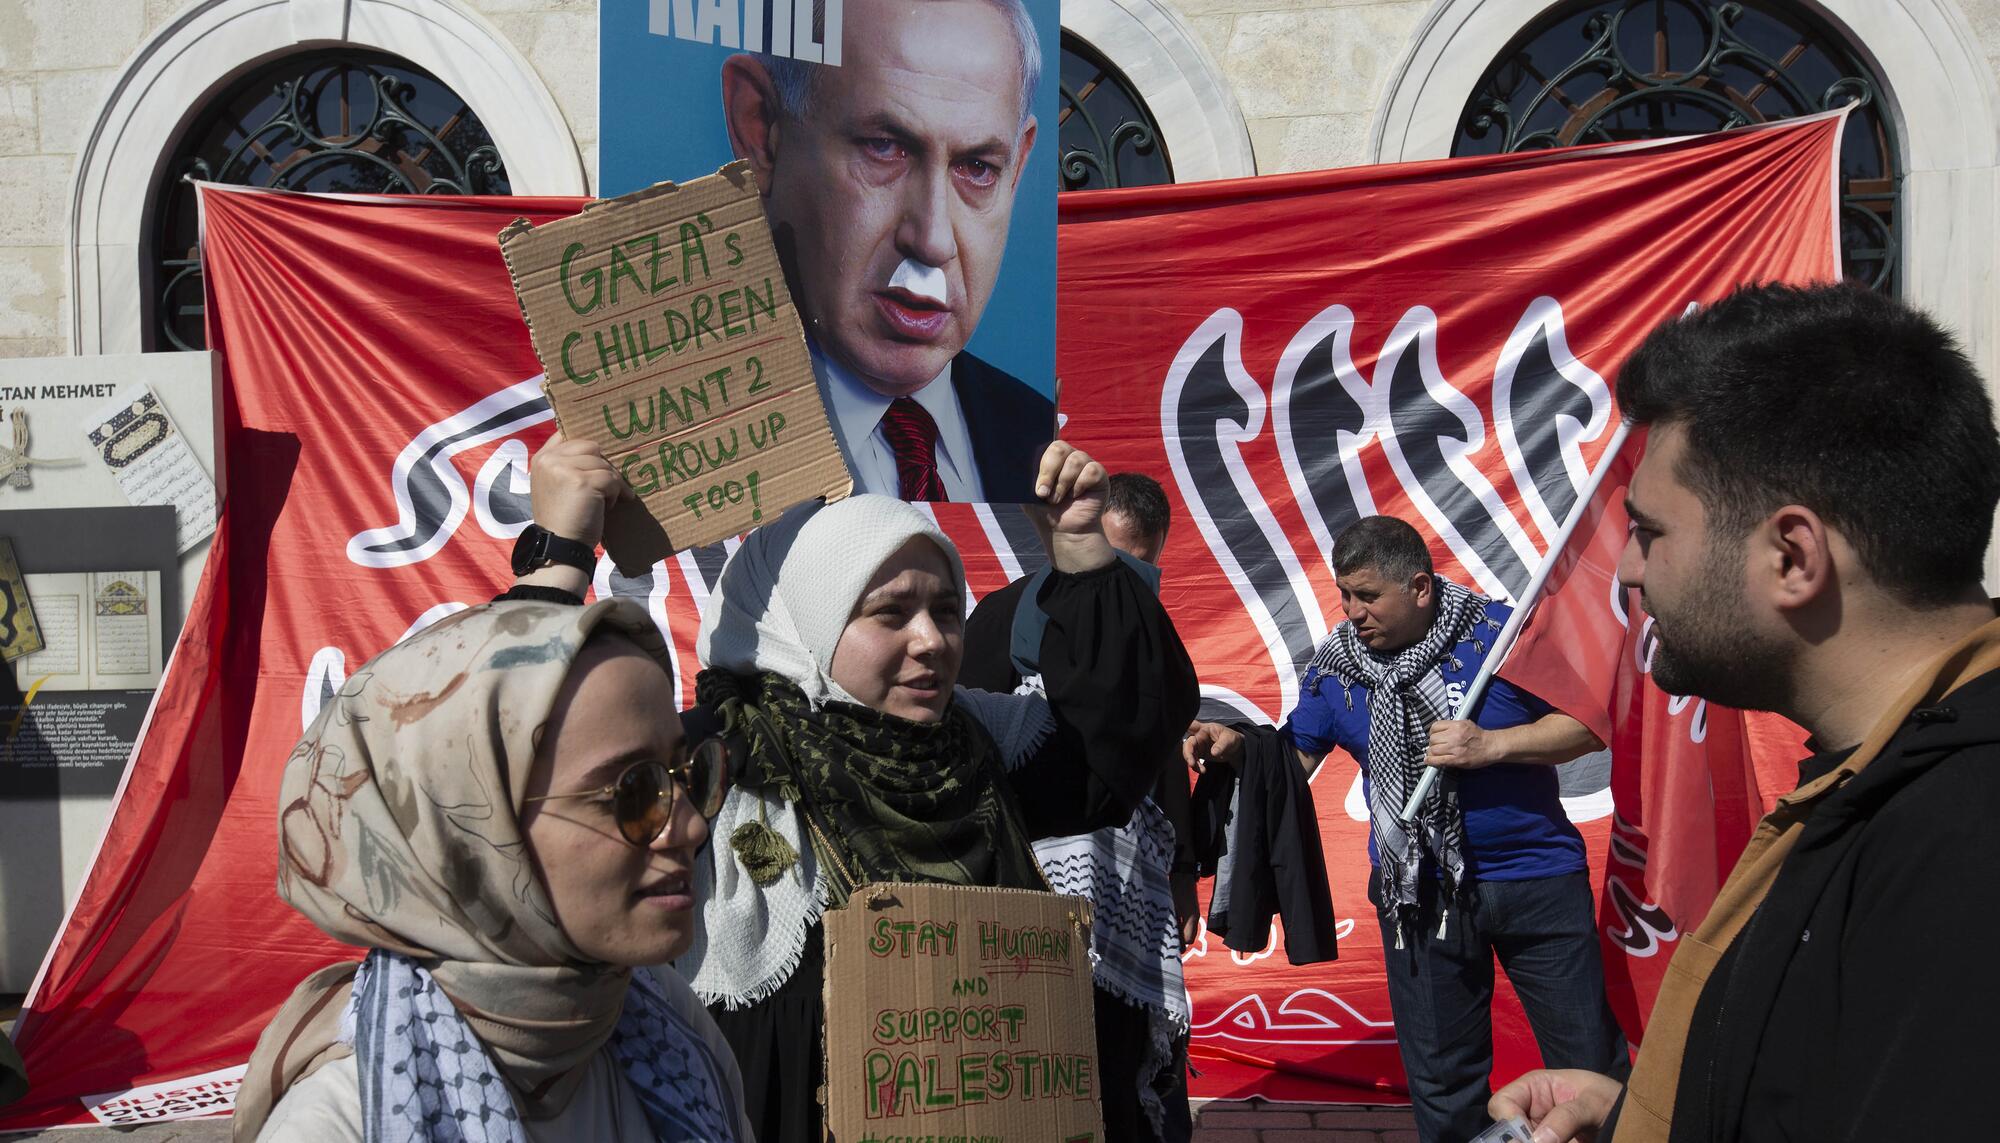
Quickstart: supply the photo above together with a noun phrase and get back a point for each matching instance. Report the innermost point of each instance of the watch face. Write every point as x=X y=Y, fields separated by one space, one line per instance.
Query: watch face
x=528 y=549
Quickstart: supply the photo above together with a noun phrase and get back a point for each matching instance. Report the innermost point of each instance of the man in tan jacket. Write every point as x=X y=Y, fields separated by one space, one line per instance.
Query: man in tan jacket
x=1809 y=523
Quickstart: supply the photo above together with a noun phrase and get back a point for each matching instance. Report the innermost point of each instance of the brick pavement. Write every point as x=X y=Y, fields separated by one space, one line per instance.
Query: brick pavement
x=1257 y=1121
x=1218 y=1121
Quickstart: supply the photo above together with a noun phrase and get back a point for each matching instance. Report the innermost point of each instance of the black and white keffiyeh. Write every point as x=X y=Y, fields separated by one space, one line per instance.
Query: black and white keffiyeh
x=1135 y=944
x=426 y=1078
x=1408 y=694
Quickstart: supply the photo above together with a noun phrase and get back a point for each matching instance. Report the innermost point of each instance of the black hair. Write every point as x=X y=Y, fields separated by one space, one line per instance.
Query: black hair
x=1140 y=499
x=1834 y=397
x=1382 y=544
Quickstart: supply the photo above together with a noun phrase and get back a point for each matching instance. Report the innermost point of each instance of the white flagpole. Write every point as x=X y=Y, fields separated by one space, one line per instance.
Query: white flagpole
x=1505 y=641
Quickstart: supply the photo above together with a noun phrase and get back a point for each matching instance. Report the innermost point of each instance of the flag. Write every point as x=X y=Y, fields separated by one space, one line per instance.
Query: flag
x=1684 y=781
x=1284 y=354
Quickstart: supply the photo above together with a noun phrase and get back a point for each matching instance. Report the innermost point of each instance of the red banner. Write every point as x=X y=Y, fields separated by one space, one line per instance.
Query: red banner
x=1286 y=354
x=1684 y=773
x=1435 y=341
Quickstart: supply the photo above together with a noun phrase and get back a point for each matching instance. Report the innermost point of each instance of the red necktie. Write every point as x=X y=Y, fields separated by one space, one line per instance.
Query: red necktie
x=913 y=438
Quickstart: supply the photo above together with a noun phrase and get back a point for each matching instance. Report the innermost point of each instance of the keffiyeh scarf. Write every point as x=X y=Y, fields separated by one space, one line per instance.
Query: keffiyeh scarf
x=1135 y=943
x=900 y=800
x=1407 y=695
x=426 y=1078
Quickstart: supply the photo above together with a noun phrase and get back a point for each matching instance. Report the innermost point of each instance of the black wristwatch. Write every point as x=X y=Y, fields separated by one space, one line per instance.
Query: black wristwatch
x=538 y=548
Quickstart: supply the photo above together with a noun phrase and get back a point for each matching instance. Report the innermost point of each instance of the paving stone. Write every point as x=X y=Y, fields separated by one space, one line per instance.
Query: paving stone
x=1369 y=1119
x=1256 y=1119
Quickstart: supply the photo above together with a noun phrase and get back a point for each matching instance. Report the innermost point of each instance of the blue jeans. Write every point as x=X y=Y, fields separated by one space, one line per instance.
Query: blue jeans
x=1441 y=993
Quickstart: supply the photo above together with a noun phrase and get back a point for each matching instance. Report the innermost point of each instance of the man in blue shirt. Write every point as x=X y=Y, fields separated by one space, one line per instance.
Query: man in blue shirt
x=1491 y=866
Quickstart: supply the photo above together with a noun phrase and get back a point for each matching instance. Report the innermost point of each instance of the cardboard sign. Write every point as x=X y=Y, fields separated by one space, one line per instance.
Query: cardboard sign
x=668 y=337
x=958 y=1012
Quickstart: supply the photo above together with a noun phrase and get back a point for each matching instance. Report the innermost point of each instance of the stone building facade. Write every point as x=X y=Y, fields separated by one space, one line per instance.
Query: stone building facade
x=95 y=94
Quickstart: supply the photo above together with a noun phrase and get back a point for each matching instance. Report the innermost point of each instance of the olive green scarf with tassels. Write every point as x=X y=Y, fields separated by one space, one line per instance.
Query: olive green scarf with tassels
x=898 y=800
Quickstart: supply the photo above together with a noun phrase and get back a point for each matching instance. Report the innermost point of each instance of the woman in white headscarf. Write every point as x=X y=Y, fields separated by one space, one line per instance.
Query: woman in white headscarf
x=831 y=649
x=503 y=811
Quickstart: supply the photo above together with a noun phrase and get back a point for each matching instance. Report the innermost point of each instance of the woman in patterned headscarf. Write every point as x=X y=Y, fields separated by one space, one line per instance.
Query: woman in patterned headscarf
x=501 y=809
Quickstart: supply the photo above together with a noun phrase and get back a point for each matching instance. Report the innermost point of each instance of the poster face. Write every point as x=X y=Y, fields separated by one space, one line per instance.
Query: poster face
x=906 y=153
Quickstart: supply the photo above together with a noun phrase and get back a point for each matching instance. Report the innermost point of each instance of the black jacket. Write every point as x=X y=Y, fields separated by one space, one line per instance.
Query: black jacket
x=1276 y=865
x=993 y=635
x=989 y=632
x=1098 y=692
x=1859 y=1002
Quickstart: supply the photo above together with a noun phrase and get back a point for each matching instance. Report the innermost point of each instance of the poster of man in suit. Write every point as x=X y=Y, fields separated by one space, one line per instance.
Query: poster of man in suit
x=904 y=149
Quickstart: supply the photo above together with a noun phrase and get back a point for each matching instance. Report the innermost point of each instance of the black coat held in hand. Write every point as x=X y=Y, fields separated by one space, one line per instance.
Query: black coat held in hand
x=1276 y=865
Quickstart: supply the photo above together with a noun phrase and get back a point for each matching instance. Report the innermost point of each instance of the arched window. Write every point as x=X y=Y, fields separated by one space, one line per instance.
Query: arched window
x=1644 y=69
x=349 y=121
x=1107 y=135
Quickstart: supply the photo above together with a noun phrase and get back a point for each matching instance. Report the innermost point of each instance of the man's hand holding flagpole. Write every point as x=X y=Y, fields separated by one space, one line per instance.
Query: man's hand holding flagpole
x=1504 y=642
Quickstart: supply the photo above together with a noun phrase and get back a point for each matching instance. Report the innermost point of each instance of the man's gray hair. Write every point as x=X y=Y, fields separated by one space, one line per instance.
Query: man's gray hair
x=794 y=78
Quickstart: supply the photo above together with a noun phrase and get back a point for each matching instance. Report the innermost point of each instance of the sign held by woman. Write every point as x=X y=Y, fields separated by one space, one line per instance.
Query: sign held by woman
x=960 y=1011
x=669 y=338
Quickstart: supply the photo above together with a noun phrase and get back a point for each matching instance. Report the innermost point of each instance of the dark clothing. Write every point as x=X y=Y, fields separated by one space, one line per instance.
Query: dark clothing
x=993 y=636
x=1276 y=865
x=1123 y=690
x=1441 y=990
x=1208 y=819
x=1122 y=1032
x=535 y=593
x=1857 y=1002
x=1818 y=765
x=1003 y=639
x=989 y=632
x=777 y=1047
x=1010 y=424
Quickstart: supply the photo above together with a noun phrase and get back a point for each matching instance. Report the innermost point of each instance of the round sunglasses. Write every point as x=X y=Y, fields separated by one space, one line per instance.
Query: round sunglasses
x=642 y=796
